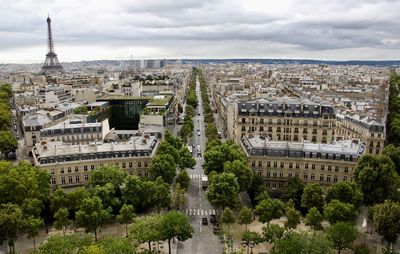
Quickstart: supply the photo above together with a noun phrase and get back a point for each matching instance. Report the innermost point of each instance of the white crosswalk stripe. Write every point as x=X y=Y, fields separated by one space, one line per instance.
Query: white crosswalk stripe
x=196 y=176
x=201 y=212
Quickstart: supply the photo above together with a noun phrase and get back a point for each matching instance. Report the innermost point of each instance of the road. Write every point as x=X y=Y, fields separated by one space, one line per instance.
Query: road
x=197 y=205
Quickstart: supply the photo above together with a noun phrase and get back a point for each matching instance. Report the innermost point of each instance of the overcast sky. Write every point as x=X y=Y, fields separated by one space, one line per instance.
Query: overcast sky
x=119 y=29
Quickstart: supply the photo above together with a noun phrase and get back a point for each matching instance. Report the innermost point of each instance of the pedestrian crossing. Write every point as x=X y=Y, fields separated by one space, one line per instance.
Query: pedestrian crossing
x=201 y=212
x=196 y=176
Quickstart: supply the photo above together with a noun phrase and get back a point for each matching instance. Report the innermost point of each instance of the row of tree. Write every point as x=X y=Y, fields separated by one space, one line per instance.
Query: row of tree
x=393 y=124
x=191 y=105
x=8 y=143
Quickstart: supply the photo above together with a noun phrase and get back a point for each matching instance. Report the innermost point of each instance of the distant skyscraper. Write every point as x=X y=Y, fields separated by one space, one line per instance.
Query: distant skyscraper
x=51 y=64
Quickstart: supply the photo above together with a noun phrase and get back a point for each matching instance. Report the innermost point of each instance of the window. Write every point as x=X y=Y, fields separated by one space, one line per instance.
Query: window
x=130 y=164
x=275 y=164
x=243 y=120
x=76 y=169
x=296 y=174
x=329 y=168
x=346 y=169
x=69 y=169
x=268 y=173
x=259 y=172
x=85 y=168
x=281 y=174
x=62 y=180
x=261 y=128
x=282 y=164
x=328 y=178
x=313 y=166
x=268 y=164
x=91 y=167
x=274 y=174
x=322 y=167
x=53 y=180
x=260 y=163
x=344 y=178
x=69 y=179
x=123 y=165
x=243 y=128
x=52 y=171
x=253 y=163
x=62 y=170
x=290 y=164
x=306 y=166
x=305 y=176
x=321 y=177
x=335 y=179
x=139 y=172
x=336 y=168
x=86 y=177
x=77 y=179
x=312 y=176
x=297 y=165
x=290 y=174
x=139 y=164
x=305 y=131
x=314 y=139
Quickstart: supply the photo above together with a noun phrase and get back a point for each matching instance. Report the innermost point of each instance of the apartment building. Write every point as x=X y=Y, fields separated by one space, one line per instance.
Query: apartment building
x=71 y=165
x=278 y=161
x=75 y=131
x=369 y=132
x=286 y=119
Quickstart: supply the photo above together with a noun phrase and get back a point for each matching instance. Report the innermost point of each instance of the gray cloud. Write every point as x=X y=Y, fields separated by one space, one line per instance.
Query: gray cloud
x=219 y=28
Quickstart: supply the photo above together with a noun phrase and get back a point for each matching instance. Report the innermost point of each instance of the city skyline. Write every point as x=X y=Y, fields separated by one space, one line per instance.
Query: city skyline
x=93 y=30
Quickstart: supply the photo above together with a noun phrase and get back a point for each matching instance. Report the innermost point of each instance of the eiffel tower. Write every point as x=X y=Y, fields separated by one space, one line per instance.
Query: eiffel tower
x=51 y=64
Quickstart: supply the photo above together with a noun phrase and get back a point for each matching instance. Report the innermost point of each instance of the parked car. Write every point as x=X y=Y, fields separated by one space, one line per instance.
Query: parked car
x=216 y=228
x=204 y=221
x=198 y=133
x=213 y=219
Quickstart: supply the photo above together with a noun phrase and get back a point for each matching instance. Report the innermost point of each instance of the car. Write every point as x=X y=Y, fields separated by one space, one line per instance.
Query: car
x=216 y=228
x=198 y=133
x=193 y=145
x=204 y=221
x=198 y=129
x=213 y=219
x=198 y=114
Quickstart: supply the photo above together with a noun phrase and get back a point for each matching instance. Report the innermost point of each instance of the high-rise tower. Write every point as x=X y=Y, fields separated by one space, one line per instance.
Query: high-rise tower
x=51 y=64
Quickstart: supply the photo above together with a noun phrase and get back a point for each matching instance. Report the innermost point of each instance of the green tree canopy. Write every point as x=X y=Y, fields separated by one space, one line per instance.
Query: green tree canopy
x=186 y=159
x=8 y=143
x=294 y=191
x=342 y=235
x=376 y=177
x=302 y=244
x=245 y=216
x=126 y=216
x=314 y=219
x=164 y=166
x=92 y=215
x=161 y=194
x=167 y=148
x=313 y=196
x=269 y=209
x=107 y=174
x=393 y=153
x=63 y=244
x=228 y=217
x=272 y=232
x=293 y=218
x=177 y=197
x=242 y=172
x=337 y=211
x=175 y=224
x=61 y=219
x=172 y=140
x=386 y=220
x=257 y=187
x=147 y=229
x=12 y=223
x=183 y=179
x=116 y=245
x=223 y=190
x=346 y=192
x=216 y=157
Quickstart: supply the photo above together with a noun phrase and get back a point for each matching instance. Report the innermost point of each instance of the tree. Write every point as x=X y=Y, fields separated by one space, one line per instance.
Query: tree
x=216 y=156
x=302 y=244
x=108 y=197
x=177 y=197
x=117 y=245
x=251 y=238
x=164 y=166
x=172 y=140
x=126 y=216
x=346 y=192
x=272 y=232
x=175 y=224
x=245 y=216
x=107 y=174
x=32 y=226
x=342 y=235
x=269 y=209
x=376 y=177
x=257 y=186
x=262 y=196
x=75 y=199
x=58 y=199
x=294 y=191
x=167 y=148
x=63 y=244
x=139 y=192
x=147 y=229
x=92 y=215
x=186 y=159
x=313 y=196
x=61 y=219
x=161 y=195
x=337 y=211
x=293 y=218
x=228 y=217
x=222 y=190
x=183 y=179
x=8 y=143
x=242 y=172
x=386 y=220
x=11 y=224
x=314 y=219
x=393 y=153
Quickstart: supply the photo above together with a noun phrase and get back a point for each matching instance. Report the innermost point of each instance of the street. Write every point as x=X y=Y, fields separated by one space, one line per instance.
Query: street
x=197 y=205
